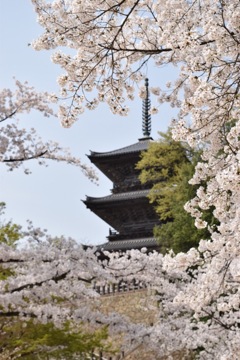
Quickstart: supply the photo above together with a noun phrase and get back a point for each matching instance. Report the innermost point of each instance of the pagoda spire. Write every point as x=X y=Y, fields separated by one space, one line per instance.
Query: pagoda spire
x=146 y=116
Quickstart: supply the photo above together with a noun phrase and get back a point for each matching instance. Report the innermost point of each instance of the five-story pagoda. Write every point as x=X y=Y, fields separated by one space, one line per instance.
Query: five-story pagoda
x=127 y=209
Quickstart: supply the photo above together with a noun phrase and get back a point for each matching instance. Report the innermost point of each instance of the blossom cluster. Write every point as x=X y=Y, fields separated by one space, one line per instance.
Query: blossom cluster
x=18 y=144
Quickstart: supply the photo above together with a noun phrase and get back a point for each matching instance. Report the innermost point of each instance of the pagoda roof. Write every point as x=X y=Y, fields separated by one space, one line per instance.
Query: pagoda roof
x=141 y=145
x=129 y=244
x=129 y=213
x=130 y=195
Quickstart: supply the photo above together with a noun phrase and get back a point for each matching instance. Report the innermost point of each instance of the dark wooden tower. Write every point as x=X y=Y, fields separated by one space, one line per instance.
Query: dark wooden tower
x=127 y=209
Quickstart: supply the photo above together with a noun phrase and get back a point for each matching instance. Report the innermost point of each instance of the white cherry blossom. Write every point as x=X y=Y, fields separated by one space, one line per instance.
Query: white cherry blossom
x=19 y=145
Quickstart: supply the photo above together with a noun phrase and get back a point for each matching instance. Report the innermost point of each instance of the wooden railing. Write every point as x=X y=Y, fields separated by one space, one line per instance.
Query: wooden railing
x=120 y=287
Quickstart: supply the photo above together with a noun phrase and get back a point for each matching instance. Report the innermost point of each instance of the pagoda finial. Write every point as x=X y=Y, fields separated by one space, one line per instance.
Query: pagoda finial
x=146 y=117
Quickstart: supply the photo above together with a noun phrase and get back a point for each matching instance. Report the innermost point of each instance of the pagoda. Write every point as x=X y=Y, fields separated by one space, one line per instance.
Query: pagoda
x=127 y=209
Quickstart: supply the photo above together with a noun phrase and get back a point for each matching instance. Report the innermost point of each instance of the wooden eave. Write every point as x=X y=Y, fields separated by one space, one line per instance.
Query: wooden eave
x=128 y=213
x=116 y=164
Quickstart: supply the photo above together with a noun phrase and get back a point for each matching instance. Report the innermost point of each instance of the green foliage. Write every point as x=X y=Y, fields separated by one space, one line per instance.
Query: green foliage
x=5 y=273
x=30 y=339
x=9 y=233
x=168 y=165
x=162 y=159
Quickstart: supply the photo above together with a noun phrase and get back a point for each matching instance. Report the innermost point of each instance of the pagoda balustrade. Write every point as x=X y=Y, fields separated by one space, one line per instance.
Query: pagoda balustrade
x=118 y=287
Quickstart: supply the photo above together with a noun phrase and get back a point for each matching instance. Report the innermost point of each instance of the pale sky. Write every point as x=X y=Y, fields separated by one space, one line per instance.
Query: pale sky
x=51 y=197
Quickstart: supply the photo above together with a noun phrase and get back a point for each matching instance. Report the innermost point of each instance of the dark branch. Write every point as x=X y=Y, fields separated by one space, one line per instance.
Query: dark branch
x=30 y=286
x=41 y=154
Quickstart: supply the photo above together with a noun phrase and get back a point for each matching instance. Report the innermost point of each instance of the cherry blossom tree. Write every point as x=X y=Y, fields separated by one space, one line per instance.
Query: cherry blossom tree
x=104 y=48
x=50 y=281
x=18 y=145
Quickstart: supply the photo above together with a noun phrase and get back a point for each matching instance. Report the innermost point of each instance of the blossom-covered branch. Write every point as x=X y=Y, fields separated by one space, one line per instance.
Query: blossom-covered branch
x=17 y=144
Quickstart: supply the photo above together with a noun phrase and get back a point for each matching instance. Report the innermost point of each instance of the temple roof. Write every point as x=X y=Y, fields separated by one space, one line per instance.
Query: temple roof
x=141 y=145
x=128 y=213
x=130 y=195
x=129 y=244
x=119 y=165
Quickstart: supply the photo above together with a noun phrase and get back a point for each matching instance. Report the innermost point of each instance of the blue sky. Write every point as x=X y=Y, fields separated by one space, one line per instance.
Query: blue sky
x=51 y=197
